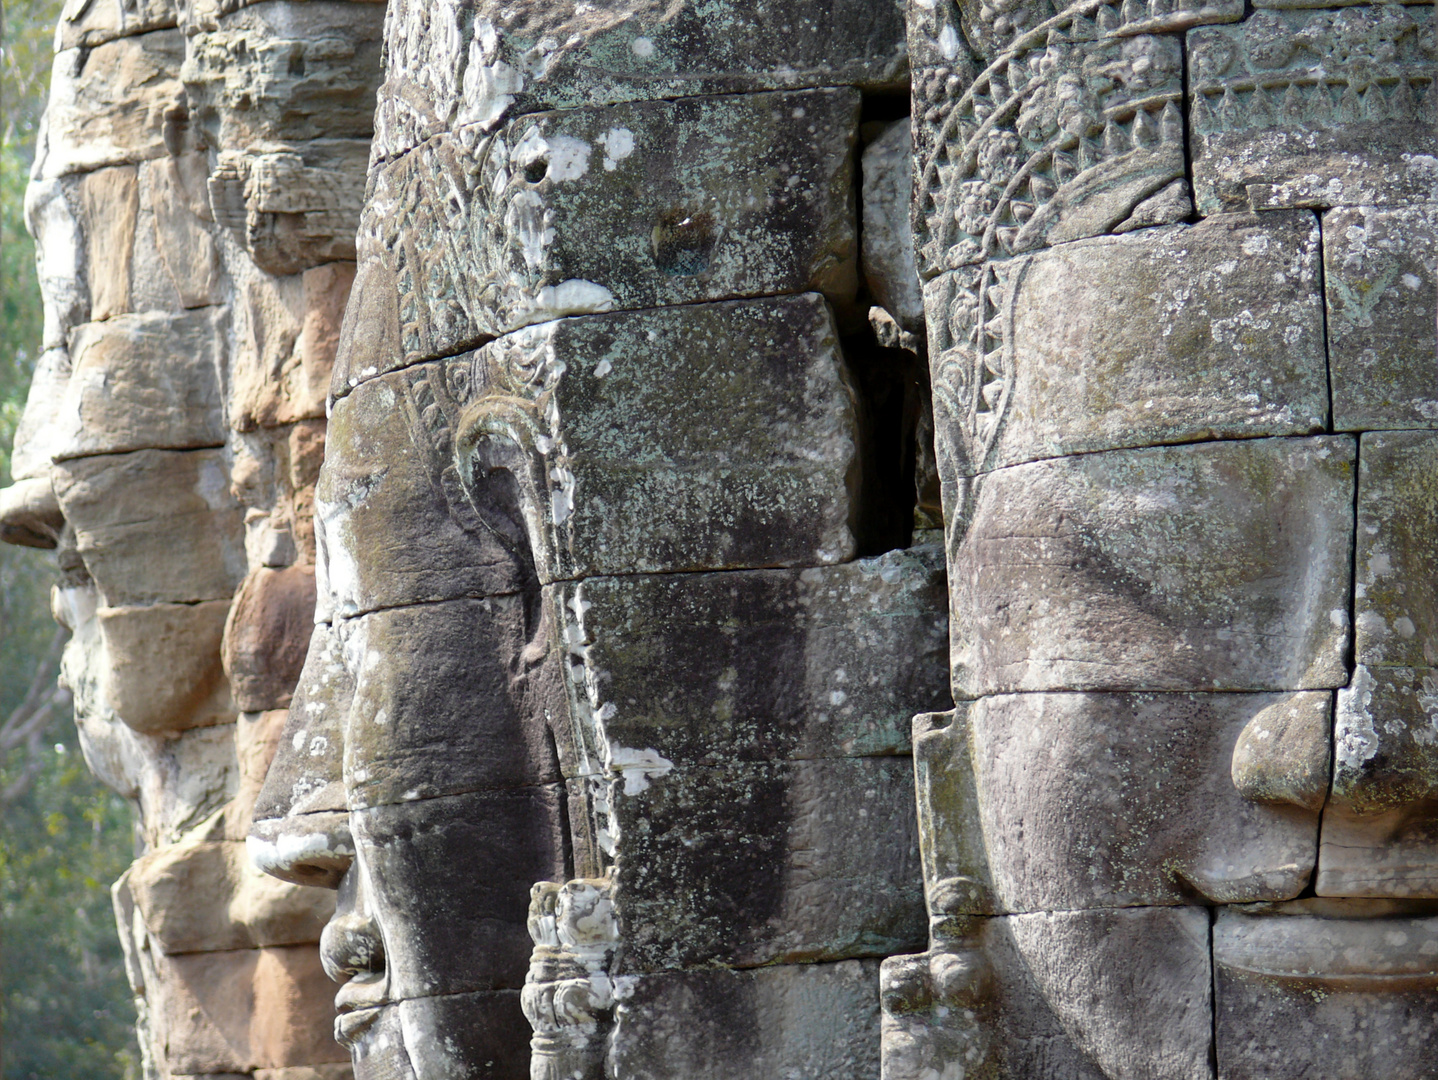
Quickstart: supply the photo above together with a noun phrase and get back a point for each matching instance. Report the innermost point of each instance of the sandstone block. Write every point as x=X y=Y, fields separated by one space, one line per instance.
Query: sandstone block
x=680 y=214
x=449 y=698
x=1063 y=995
x=1169 y=335
x=110 y=105
x=806 y=1021
x=280 y=71
x=293 y=208
x=523 y=61
x=816 y=663
x=454 y=877
x=89 y=24
x=163 y=670
x=266 y=636
x=204 y=896
x=307 y=778
x=246 y=1009
x=52 y=218
x=737 y=418
x=765 y=863
x=1111 y=800
x=1214 y=566
x=1331 y=989
x=30 y=514
x=286 y=333
x=141 y=382
x=154 y=525
x=1284 y=113
x=334 y=1071
x=38 y=432
x=1379 y=272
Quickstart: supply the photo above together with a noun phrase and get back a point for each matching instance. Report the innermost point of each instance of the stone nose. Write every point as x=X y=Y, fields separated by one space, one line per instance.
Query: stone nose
x=1283 y=755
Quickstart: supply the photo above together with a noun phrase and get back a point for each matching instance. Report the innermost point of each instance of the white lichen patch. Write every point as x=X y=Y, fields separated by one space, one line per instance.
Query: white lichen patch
x=1356 y=740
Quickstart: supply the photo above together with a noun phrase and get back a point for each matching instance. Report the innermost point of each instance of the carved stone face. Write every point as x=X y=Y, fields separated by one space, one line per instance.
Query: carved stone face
x=1189 y=500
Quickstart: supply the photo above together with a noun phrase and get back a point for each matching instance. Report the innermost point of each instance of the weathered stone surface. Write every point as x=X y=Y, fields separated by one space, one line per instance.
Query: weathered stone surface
x=1217 y=566
x=471 y=711
x=461 y=62
x=335 y=1071
x=279 y=71
x=1012 y=156
x=236 y=1011
x=737 y=418
x=204 y=896
x=1109 y=800
x=1379 y=273
x=467 y=1036
x=51 y=218
x=30 y=514
x=286 y=332
x=887 y=252
x=1170 y=335
x=375 y=1042
x=1331 y=989
x=89 y=24
x=163 y=668
x=1314 y=108
x=807 y=1021
x=451 y=885
x=816 y=663
x=38 y=432
x=464 y=239
x=155 y=525
x=1064 y=995
x=110 y=105
x=142 y=382
x=294 y=208
x=266 y=635
x=308 y=777
x=146 y=245
x=765 y=863
x=393 y=523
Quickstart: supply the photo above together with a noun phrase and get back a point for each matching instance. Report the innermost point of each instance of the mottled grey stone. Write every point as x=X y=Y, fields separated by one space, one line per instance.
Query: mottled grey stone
x=805 y=1022
x=1193 y=332
x=468 y=710
x=1064 y=995
x=738 y=419
x=1106 y=800
x=887 y=251
x=762 y=665
x=1314 y=108
x=1325 y=990
x=479 y=1036
x=450 y=885
x=154 y=525
x=457 y=62
x=596 y=209
x=1215 y=566
x=765 y=863
x=141 y=382
x=1379 y=276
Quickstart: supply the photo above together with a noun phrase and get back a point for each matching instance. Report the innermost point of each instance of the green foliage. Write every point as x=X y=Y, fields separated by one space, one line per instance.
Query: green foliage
x=64 y=1002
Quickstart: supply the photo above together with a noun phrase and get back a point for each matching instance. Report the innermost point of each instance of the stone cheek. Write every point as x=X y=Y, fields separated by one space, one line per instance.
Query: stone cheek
x=707 y=199
x=1169 y=335
x=1106 y=800
x=1207 y=567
